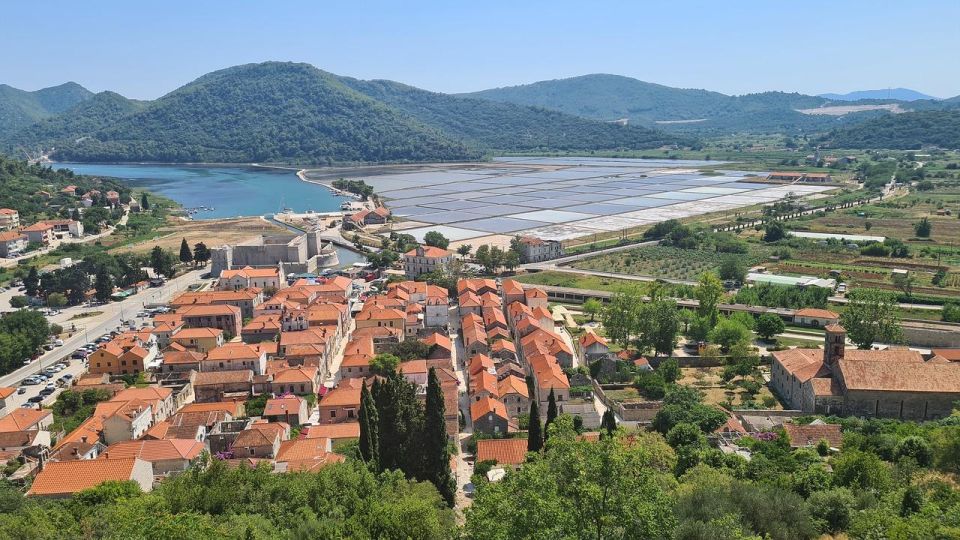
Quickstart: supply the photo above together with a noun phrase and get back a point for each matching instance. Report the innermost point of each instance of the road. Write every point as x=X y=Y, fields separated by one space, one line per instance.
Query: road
x=92 y=327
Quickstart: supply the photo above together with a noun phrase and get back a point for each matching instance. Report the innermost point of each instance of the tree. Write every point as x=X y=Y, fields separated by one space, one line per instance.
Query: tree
x=385 y=364
x=144 y=202
x=56 y=300
x=861 y=470
x=551 y=414
x=915 y=447
x=103 y=286
x=201 y=254
x=185 y=254
x=435 y=449
x=464 y=249
x=436 y=239
x=774 y=231
x=683 y=404
x=871 y=317
x=400 y=416
x=732 y=268
x=727 y=332
x=592 y=307
x=579 y=490
x=511 y=260
x=608 y=424
x=669 y=369
x=923 y=228
x=31 y=283
x=708 y=293
x=621 y=314
x=534 y=433
x=369 y=437
x=832 y=509
x=660 y=326
x=160 y=261
x=769 y=325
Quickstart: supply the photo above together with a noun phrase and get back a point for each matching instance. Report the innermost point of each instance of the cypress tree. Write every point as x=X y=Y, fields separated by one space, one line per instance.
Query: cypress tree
x=185 y=254
x=31 y=283
x=369 y=437
x=436 y=461
x=608 y=424
x=551 y=414
x=534 y=434
x=144 y=203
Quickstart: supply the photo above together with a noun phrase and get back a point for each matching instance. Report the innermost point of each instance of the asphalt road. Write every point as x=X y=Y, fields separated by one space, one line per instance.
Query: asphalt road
x=90 y=328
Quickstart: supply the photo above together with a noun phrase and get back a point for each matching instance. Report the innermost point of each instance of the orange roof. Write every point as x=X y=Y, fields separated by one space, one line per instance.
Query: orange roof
x=250 y=272
x=282 y=406
x=310 y=336
x=292 y=375
x=182 y=357
x=345 y=430
x=534 y=293
x=153 y=450
x=39 y=226
x=347 y=393
x=7 y=211
x=589 y=338
x=68 y=477
x=301 y=449
x=259 y=435
x=487 y=405
x=817 y=313
x=6 y=391
x=430 y=252
x=503 y=451
x=511 y=384
x=233 y=408
x=376 y=313
x=198 y=333
x=438 y=340
x=233 y=351
x=411 y=367
x=812 y=434
x=511 y=287
x=223 y=377
x=503 y=345
x=149 y=394
x=953 y=355
x=9 y=236
x=22 y=419
x=208 y=310
x=480 y=362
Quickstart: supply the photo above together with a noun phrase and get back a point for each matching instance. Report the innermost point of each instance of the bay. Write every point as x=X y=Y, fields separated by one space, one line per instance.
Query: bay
x=224 y=191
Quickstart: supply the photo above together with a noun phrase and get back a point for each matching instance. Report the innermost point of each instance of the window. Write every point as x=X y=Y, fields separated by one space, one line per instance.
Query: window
x=251 y=451
x=350 y=413
x=333 y=414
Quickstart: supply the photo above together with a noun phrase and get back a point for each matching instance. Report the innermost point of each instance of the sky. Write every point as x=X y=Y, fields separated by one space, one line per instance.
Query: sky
x=146 y=49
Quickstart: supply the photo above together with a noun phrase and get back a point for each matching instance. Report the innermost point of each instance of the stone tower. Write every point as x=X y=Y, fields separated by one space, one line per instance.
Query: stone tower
x=834 y=340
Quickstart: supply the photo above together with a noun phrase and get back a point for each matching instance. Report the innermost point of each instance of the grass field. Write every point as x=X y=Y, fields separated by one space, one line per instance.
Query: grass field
x=578 y=281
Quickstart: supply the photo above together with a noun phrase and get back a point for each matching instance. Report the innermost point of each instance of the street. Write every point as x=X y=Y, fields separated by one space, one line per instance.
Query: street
x=92 y=327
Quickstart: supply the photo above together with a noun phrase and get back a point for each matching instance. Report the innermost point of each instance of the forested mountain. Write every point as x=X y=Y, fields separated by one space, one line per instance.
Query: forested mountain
x=902 y=131
x=899 y=94
x=262 y=113
x=506 y=126
x=19 y=108
x=613 y=97
x=83 y=120
x=285 y=112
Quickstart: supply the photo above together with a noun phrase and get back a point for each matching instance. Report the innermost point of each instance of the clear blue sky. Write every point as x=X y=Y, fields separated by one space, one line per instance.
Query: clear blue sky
x=145 y=49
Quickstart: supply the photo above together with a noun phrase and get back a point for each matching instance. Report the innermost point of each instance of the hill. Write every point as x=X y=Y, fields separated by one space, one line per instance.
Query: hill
x=613 y=97
x=20 y=108
x=905 y=131
x=265 y=113
x=83 y=120
x=898 y=94
x=507 y=126
x=285 y=112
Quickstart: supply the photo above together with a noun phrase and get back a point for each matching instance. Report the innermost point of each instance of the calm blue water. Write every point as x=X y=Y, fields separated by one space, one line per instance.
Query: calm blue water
x=230 y=191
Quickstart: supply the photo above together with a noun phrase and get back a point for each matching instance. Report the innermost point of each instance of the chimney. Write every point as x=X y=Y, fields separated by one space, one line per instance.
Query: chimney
x=83 y=438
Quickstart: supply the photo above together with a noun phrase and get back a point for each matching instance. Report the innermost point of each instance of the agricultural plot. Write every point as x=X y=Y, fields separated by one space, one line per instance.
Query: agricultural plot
x=668 y=262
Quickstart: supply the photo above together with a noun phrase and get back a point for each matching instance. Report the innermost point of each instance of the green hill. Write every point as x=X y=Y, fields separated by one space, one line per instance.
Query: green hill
x=265 y=113
x=20 y=108
x=506 y=126
x=83 y=120
x=296 y=113
x=613 y=97
x=905 y=131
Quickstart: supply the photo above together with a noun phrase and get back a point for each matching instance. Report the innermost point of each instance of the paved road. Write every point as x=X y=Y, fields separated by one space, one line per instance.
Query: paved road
x=90 y=328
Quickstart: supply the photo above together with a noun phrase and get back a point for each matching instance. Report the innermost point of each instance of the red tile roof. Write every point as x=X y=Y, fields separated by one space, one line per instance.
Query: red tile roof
x=503 y=451
x=68 y=477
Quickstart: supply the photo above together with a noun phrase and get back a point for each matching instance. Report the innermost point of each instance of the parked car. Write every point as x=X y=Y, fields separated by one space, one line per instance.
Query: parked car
x=46 y=392
x=22 y=390
x=36 y=399
x=58 y=342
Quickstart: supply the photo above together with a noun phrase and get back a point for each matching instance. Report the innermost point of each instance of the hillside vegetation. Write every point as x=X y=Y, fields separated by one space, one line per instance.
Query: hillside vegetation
x=20 y=108
x=906 y=131
x=296 y=113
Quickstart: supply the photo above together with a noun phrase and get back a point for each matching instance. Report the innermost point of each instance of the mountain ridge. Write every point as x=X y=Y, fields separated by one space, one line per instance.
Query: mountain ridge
x=898 y=94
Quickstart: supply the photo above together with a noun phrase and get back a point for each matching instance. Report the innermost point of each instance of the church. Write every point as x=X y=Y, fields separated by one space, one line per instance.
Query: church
x=892 y=383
